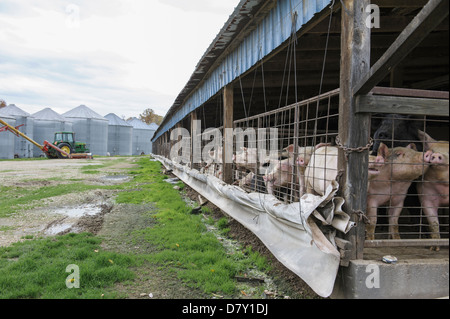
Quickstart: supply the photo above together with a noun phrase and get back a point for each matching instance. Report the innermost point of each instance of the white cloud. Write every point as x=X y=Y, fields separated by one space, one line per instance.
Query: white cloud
x=114 y=56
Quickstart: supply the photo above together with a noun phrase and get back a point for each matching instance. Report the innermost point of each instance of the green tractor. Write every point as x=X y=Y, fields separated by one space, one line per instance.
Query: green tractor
x=65 y=141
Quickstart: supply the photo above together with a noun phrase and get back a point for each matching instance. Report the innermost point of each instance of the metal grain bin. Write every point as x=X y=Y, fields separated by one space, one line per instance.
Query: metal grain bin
x=46 y=123
x=7 y=138
x=90 y=128
x=119 y=135
x=142 y=134
x=22 y=148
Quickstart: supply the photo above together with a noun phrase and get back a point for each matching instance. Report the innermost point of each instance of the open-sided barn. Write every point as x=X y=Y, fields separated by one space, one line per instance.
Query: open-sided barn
x=313 y=107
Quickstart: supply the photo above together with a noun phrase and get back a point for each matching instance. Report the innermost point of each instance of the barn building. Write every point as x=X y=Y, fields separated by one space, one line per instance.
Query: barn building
x=309 y=80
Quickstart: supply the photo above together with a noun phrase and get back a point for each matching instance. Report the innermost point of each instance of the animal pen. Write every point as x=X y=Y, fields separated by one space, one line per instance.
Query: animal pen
x=322 y=127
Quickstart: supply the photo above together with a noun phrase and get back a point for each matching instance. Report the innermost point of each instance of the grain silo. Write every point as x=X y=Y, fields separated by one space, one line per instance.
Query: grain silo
x=119 y=135
x=24 y=121
x=7 y=138
x=46 y=123
x=89 y=127
x=142 y=134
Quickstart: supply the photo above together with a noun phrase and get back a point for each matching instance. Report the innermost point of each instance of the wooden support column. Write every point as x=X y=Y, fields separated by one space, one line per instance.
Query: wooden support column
x=227 y=169
x=196 y=152
x=353 y=128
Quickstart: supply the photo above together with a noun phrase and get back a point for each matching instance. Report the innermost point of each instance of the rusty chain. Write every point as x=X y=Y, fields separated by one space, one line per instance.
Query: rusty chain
x=349 y=150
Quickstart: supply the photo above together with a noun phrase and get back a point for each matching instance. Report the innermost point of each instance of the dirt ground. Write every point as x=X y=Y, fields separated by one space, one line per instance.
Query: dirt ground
x=95 y=211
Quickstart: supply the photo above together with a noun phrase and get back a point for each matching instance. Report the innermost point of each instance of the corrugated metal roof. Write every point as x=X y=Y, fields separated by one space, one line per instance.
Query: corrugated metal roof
x=138 y=124
x=253 y=30
x=13 y=110
x=48 y=114
x=153 y=126
x=115 y=120
x=83 y=111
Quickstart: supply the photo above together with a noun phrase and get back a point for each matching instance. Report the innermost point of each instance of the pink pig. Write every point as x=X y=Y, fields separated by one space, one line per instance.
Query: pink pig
x=389 y=179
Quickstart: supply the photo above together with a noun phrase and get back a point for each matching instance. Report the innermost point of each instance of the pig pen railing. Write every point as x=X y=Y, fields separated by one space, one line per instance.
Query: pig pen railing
x=312 y=126
x=299 y=131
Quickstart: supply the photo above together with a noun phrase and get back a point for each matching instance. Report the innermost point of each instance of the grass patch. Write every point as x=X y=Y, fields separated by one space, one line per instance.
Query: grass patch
x=183 y=243
x=37 y=268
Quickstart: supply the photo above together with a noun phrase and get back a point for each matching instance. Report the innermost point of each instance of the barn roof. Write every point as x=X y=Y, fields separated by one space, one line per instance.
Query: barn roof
x=253 y=46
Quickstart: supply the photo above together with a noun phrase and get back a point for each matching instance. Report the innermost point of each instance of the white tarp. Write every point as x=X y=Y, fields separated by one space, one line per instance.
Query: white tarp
x=289 y=231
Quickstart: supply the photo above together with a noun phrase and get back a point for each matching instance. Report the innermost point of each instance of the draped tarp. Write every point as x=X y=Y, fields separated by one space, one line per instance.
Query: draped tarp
x=300 y=235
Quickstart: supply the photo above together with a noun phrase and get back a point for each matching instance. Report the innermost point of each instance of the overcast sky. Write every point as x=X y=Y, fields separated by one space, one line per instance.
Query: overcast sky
x=115 y=56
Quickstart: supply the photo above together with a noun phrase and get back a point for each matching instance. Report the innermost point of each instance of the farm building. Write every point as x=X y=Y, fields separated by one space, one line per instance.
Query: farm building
x=89 y=127
x=319 y=105
x=120 y=135
x=142 y=136
x=46 y=123
x=7 y=139
x=24 y=123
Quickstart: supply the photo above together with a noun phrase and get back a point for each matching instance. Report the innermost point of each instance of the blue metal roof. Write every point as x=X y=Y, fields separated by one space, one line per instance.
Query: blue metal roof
x=209 y=77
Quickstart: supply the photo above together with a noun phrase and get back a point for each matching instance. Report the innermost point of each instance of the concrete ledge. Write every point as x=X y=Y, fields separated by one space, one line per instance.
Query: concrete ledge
x=406 y=279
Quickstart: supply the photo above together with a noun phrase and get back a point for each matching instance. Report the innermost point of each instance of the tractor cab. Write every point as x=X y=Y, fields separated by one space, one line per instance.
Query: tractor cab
x=66 y=142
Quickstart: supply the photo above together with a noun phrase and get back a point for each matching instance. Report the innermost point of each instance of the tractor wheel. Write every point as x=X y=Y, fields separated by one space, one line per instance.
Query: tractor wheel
x=64 y=147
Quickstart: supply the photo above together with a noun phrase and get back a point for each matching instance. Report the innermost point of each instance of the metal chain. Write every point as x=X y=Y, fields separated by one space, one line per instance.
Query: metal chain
x=348 y=150
x=362 y=216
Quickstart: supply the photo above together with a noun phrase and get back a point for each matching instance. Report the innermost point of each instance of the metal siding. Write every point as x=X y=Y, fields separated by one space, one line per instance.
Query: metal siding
x=7 y=139
x=272 y=31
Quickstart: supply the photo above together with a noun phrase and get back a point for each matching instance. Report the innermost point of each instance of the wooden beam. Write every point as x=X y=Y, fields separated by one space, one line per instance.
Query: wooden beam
x=432 y=83
x=353 y=132
x=228 y=104
x=432 y=14
x=379 y=90
x=400 y=3
x=401 y=105
x=405 y=243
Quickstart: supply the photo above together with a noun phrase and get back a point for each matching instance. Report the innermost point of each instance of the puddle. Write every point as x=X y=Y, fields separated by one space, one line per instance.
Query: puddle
x=172 y=180
x=56 y=229
x=115 y=178
x=79 y=211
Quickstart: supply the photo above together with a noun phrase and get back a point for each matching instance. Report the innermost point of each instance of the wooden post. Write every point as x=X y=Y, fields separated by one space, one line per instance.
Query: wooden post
x=227 y=169
x=354 y=128
x=196 y=152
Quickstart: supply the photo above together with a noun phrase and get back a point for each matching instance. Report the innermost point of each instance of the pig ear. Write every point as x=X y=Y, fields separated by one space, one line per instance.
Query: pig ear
x=290 y=148
x=427 y=139
x=383 y=150
x=412 y=146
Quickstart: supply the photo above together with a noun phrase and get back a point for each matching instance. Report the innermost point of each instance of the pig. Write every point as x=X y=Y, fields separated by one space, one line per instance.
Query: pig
x=321 y=169
x=433 y=190
x=214 y=163
x=247 y=159
x=390 y=176
x=281 y=174
x=396 y=130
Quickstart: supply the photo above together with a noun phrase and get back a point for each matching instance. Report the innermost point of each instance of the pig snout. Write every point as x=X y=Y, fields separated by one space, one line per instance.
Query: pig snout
x=428 y=156
x=300 y=161
x=437 y=158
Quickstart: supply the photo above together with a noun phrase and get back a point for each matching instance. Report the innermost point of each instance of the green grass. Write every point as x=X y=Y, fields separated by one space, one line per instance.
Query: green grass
x=184 y=245
x=37 y=268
